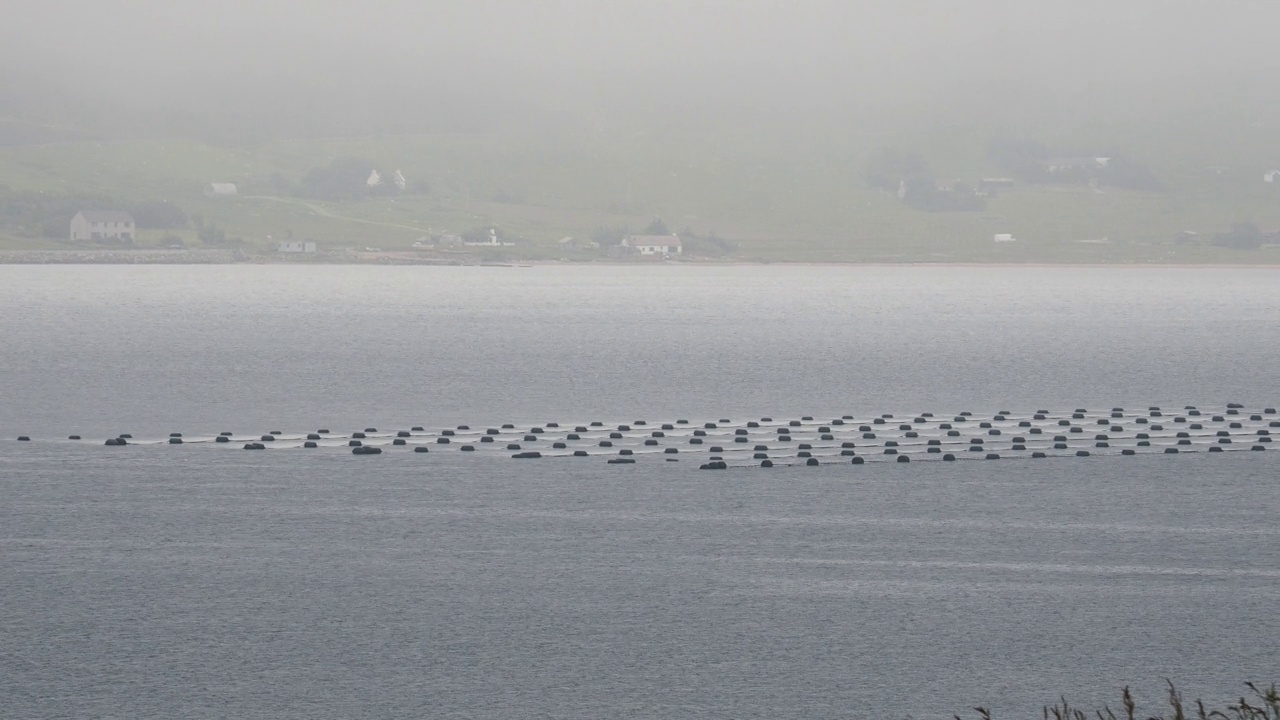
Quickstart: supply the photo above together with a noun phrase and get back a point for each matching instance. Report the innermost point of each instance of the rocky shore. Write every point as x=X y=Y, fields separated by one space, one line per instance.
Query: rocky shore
x=121 y=257
x=218 y=257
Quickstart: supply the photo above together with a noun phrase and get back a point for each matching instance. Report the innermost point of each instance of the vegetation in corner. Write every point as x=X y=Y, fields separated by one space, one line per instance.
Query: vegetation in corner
x=1263 y=705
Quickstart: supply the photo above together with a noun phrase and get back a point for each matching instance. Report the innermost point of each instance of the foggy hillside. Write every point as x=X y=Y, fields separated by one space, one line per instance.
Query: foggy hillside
x=817 y=130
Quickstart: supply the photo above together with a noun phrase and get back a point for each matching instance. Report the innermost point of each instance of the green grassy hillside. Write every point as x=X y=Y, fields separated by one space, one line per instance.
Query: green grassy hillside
x=803 y=198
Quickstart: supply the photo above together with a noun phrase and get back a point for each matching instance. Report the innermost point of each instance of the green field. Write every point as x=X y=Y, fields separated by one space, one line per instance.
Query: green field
x=800 y=198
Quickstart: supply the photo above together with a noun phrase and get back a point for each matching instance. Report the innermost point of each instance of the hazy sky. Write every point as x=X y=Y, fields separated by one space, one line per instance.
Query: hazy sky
x=745 y=56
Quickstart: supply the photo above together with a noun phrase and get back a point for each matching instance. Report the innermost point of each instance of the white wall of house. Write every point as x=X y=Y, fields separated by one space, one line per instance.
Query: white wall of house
x=296 y=246
x=102 y=226
x=653 y=244
x=79 y=228
x=658 y=249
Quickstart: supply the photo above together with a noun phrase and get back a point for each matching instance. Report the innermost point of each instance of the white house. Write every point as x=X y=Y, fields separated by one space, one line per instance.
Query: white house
x=653 y=244
x=1271 y=176
x=102 y=225
x=1004 y=238
x=220 y=190
x=297 y=246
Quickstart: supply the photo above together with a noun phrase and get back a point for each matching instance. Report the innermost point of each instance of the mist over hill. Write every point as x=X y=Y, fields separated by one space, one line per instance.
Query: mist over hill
x=703 y=112
x=274 y=69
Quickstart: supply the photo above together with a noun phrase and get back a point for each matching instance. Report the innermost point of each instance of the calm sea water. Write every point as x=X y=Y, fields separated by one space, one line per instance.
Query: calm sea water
x=205 y=581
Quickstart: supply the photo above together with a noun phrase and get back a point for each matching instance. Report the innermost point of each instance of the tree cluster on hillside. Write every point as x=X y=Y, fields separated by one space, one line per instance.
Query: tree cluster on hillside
x=1032 y=162
x=1023 y=159
x=709 y=245
x=1242 y=236
x=888 y=168
x=657 y=227
x=342 y=179
x=907 y=174
x=607 y=237
x=210 y=234
x=48 y=215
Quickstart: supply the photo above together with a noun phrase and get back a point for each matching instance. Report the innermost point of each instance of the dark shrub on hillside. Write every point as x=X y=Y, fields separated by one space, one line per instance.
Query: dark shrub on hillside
x=343 y=178
x=607 y=238
x=888 y=168
x=657 y=227
x=1243 y=236
x=1019 y=157
x=347 y=178
x=210 y=234
x=710 y=245
x=1029 y=161
x=1125 y=172
x=38 y=214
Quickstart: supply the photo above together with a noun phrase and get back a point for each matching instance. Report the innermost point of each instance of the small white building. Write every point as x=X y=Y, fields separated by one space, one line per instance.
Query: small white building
x=653 y=244
x=491 y=241
x=221 y=190
x=101 y=225
x=1271 y=176
x=1004 y=238
x=296 y=246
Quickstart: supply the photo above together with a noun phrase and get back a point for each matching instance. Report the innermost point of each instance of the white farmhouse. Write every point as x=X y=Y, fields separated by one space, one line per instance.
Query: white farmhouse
x=297 y=246
x=653 y=244
x=100 y=225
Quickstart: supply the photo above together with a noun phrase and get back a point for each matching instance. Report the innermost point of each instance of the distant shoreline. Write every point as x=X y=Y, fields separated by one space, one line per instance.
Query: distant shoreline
x=232 y=257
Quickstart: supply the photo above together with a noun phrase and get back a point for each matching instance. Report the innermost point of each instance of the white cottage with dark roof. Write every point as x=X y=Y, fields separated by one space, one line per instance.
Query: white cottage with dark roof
x=100 y=225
